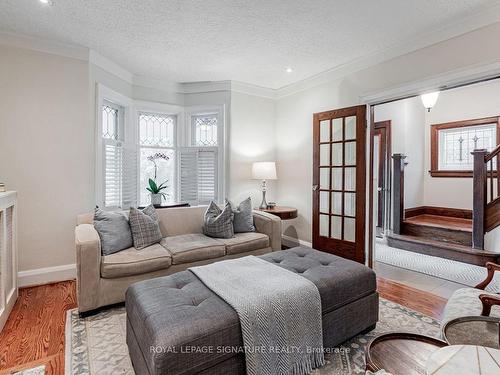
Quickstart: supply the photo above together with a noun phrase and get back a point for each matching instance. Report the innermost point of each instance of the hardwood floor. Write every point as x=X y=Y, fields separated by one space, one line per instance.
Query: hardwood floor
x=34 y=333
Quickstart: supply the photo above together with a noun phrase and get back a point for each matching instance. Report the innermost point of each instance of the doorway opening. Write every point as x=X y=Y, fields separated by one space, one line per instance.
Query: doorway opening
x=422 y=187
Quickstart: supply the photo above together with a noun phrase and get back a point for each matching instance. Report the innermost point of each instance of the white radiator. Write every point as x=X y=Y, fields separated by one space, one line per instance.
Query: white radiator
x=8 y=254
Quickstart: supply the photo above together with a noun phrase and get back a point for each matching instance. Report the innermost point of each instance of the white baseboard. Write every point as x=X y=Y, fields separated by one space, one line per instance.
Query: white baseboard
x=46 y=275
x=292 y=242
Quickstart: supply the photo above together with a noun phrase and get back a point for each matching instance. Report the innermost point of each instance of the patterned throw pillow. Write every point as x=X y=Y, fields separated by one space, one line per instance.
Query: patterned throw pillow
x=114 y=231
x=218 y=223
x=145 y=227
x=243 y=217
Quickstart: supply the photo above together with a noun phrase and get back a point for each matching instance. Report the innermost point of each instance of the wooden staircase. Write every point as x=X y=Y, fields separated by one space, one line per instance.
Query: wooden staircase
x=450 y=233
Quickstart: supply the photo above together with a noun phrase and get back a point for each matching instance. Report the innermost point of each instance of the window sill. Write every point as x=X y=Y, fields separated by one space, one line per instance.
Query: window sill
x=459 y=174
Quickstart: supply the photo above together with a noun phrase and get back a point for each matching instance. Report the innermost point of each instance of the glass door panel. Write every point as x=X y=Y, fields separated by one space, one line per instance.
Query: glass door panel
x=339 y=175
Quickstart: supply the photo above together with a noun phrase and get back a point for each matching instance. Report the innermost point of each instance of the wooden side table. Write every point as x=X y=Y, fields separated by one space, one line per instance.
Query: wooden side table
x=284 y=213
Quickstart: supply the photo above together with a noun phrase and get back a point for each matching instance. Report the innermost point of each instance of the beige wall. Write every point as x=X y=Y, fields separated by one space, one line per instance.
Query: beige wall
x=46 y=150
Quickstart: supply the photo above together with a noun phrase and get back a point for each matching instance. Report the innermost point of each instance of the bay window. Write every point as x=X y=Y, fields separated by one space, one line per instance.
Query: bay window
x=181 y=147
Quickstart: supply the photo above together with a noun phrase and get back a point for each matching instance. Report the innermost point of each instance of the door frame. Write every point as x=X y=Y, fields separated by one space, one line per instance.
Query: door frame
x=387 y=175
x=352 y=250
x=445 y=82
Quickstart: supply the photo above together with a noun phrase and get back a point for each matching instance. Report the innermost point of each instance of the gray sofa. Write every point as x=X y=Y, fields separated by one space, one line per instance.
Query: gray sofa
x=168 y=315
x=102 y=280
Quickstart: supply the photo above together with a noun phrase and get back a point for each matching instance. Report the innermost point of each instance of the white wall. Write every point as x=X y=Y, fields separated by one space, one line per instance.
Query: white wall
x=46 y=150
x=469 y=102
x=408 y=137
x=251 y=138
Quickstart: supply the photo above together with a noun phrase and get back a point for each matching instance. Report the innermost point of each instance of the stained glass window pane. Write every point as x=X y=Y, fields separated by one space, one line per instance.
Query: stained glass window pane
x=110 y=122
x=156 y=130
x=205 y=130
x=457 y=144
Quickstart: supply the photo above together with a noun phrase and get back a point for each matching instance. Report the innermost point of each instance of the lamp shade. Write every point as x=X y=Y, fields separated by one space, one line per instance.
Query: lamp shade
x=264 y=170
x=429 y=100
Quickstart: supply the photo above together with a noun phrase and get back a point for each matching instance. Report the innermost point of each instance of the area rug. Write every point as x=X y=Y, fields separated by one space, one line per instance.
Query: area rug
x=462 y=273
x=96 y=345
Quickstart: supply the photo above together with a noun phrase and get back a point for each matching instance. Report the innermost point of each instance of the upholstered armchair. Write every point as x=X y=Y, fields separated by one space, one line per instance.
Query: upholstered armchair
x=473 y=301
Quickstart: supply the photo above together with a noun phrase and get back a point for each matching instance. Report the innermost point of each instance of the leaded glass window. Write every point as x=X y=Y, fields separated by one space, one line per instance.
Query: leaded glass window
x=110 y=115
x=205 y=130
x=156 y=130
x=457 y=144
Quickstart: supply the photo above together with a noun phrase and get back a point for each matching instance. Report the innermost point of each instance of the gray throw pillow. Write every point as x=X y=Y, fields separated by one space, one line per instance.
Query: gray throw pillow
x=243 y=217
x=218 y=223
x=114 y=231
x=145 y=227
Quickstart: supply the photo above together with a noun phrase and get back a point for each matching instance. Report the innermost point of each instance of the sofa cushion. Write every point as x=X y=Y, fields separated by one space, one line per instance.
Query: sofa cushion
x=243 y=217
x=114 y=231
x=145 y=226
x=243 y=242
x=131 y=262
x=187 y=248
x=218 y=223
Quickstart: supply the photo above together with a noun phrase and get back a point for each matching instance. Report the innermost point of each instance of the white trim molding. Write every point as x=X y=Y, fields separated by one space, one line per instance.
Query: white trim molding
x=46 y=275
x=44 y=45
x=458 y=77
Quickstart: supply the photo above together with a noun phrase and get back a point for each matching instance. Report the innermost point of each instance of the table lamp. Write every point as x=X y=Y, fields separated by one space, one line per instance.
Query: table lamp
x=265 y=170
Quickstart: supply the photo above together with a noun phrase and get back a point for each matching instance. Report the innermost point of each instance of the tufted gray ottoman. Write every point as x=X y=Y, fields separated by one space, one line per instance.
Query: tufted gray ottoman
x=176 y=325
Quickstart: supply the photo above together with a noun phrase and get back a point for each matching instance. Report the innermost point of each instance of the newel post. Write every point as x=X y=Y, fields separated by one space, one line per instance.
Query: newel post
x=478 y=198
x=399 y=192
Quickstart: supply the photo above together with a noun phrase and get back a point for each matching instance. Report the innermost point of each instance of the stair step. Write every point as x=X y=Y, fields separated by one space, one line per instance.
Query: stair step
x=442 y=249
x=444 y=222
x=442 y=228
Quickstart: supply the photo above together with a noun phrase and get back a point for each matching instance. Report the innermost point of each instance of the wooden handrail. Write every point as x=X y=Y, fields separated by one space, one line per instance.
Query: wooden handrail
x=492 y=154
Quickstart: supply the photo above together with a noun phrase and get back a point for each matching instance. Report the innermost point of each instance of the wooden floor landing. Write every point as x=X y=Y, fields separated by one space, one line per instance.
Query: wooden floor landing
x=438 y=221
x=34 y=333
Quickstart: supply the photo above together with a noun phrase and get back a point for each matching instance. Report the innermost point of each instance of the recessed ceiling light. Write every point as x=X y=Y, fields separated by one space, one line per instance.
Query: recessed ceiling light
x=289 y=70
x=46 y=2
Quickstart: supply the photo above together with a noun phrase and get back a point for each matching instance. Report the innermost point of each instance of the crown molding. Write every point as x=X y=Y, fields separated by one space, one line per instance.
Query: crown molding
x=249 y=89
x=110 y=66
x=475 y=21
x=43 y=45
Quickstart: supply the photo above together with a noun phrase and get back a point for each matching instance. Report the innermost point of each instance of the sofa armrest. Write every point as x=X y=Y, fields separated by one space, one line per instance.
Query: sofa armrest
x=88 y=264
x=269 y=224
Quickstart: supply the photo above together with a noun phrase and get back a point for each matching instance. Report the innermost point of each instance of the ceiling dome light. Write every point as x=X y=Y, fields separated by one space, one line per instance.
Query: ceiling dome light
x=429 y=100
x=46 y=2
x=289 y=70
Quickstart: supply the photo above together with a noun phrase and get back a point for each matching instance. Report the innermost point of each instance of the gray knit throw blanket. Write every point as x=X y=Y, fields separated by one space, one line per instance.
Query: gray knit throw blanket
x=279 y=312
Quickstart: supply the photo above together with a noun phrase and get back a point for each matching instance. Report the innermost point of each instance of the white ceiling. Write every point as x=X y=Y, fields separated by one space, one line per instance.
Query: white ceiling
x=251 y=41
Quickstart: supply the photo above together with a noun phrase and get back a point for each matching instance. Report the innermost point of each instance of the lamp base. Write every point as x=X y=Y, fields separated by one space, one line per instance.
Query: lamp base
x=263 y=204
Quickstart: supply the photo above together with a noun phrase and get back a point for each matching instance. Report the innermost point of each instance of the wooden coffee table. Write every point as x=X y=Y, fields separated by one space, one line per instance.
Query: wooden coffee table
x=401 y=353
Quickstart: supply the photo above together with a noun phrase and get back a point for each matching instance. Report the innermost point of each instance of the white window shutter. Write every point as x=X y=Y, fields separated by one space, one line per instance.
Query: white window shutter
x=129 y=179
x=188 y=176
x=207 y=176
x=113 y=158
x=198 y=175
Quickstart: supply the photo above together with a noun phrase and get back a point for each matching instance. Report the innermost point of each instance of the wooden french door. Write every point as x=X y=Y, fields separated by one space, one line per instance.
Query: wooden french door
x=339 y=182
